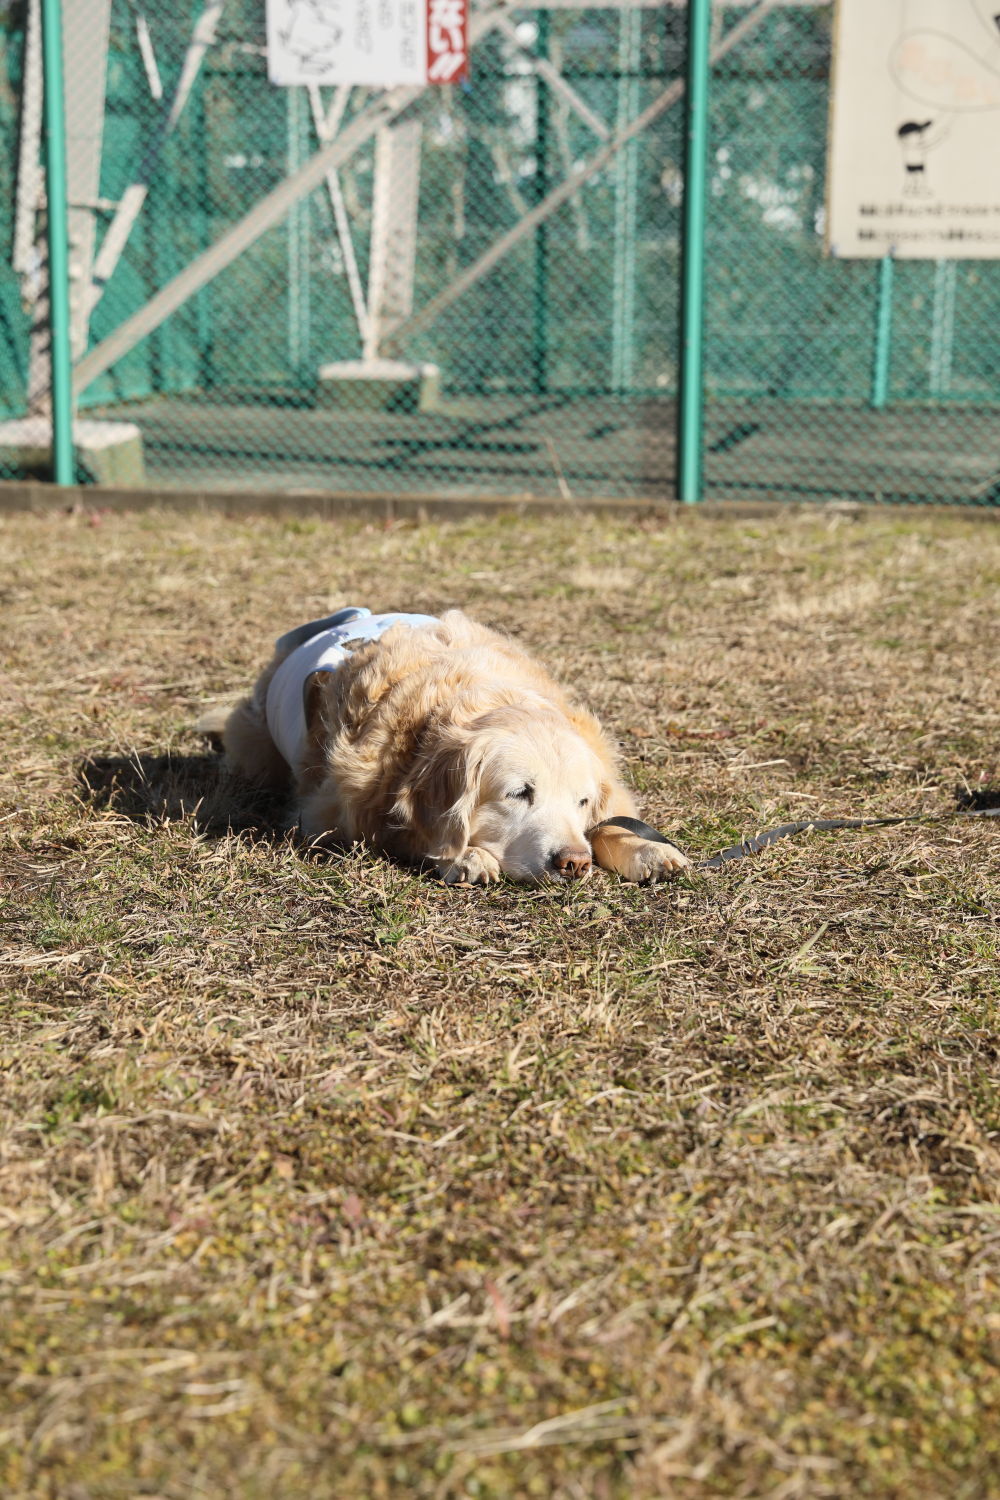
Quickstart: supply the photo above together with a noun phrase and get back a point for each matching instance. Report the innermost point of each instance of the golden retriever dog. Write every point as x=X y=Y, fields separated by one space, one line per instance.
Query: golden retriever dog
x=438 y=740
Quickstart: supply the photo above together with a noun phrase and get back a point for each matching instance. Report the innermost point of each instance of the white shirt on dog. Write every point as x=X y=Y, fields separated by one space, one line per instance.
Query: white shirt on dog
x=321 y=646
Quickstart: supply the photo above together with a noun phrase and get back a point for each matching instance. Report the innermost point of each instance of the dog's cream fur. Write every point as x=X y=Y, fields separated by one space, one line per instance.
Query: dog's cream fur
x=449 y=743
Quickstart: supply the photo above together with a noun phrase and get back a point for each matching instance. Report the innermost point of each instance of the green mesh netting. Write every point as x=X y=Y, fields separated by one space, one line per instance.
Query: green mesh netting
x=558 y=366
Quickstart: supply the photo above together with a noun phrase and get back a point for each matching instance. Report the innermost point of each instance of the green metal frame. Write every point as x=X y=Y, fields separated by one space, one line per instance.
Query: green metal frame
x=690 y=428
x=58 y=243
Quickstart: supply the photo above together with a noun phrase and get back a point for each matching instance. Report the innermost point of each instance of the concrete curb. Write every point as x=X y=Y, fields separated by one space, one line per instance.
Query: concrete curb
x=33 y=496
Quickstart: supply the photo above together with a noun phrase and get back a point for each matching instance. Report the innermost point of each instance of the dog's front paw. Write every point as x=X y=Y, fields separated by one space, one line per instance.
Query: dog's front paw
x=473 y=867
x=647 y=862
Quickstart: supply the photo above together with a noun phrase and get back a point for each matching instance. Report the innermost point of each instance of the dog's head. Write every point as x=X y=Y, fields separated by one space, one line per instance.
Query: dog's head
x=523 y=785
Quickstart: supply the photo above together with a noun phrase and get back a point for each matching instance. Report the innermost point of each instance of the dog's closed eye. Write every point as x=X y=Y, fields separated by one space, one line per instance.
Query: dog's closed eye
x=523 y=794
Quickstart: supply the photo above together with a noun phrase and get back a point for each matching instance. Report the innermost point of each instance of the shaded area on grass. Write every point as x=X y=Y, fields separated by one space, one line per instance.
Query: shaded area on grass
x=152 y=787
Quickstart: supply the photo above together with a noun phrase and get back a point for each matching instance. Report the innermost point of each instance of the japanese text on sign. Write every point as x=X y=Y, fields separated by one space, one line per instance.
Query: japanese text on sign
x=375 y=42
x=447 y=40
x=914 y=169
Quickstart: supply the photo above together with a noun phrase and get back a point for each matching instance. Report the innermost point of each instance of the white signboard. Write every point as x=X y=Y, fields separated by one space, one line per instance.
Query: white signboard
x=914 y=167
x=376 y=42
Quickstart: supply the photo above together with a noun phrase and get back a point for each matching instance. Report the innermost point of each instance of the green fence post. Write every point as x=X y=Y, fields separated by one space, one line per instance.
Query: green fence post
x=540 y=326
x=690 y=433
x=883 y=334
x=60 y=352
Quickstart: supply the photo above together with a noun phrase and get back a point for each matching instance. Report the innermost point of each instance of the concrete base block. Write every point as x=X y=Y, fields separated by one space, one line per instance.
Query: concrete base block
x=111 y=452
x=379 y=385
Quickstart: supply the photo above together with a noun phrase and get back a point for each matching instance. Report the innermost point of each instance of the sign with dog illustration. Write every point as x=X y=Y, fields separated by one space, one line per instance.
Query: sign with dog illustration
x=376 y=42
x=914 y=166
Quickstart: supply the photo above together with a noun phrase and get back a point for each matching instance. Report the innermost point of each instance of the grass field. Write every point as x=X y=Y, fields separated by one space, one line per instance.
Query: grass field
x=320 y=1180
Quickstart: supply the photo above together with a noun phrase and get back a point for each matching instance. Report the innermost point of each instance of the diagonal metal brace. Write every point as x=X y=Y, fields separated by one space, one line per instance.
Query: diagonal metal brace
x=566 y=189
x=269 y=211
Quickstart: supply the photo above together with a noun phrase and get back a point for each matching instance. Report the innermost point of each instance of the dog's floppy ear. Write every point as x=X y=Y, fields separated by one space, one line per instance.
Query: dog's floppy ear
x=438 y=799
x=316 y=705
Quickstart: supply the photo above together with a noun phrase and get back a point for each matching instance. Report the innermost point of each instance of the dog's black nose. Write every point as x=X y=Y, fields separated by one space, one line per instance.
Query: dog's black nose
x=571 y=863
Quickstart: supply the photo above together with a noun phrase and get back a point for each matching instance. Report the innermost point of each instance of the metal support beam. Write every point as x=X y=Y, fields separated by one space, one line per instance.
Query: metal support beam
x=271 y=209
x=559 y=195
x=691 y=375
x=623 y=329
x=134 y=196
x=58 y=239
x=326 y=126
x=30 y=253
x=943 y=326
x=147 y=52
x=547 y=70
x=29 y=171
x=86 y=32
x=299 y=240
x=393 y=254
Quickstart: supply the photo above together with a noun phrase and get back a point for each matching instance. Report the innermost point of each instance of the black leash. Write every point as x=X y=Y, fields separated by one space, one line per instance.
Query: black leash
x=789 y=830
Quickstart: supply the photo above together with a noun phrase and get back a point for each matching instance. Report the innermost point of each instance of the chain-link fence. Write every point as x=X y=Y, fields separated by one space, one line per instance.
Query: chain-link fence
x=477 y=290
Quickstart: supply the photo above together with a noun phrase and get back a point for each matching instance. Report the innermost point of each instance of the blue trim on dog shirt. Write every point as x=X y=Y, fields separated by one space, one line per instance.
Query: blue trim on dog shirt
x=303 y=633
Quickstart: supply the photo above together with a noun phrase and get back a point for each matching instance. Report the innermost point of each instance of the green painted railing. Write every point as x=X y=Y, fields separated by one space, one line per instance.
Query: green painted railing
x=690 y=431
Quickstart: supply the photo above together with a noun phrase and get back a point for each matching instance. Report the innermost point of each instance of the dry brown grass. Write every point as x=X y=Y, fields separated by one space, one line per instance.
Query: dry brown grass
x=317 y=1179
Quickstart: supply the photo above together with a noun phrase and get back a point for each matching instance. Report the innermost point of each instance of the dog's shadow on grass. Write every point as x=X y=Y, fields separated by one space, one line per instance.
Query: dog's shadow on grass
x=152 y=788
